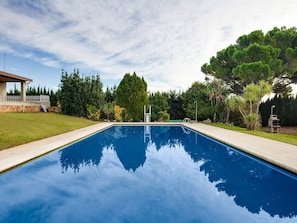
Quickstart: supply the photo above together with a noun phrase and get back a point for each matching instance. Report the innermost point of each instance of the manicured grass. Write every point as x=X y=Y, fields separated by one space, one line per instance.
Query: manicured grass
x=20 y=128
x=291 y=139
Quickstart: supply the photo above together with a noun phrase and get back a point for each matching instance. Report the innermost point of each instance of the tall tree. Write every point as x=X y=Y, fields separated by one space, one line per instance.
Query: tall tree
x=110 y=94
x=255 y=63
x=217 y=91
x=78 y=93
x=257 y=56
x=159 y=103
x=197 y=93
x=284 y=39
x=221 y=67
x=175 y=104
x=131 y=94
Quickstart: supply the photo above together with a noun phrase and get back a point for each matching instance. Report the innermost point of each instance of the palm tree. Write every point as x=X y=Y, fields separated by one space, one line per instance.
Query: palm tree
x=237 y=103
x=264 y=88
x=250 y=95
x=108 y=109
x=217 y=92
x=248 y=106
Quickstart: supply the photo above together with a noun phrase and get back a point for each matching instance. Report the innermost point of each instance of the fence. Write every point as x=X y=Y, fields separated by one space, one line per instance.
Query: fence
x=29 y=98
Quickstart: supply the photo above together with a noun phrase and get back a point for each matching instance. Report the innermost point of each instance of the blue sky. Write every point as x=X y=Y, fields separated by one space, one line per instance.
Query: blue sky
x=165 y=41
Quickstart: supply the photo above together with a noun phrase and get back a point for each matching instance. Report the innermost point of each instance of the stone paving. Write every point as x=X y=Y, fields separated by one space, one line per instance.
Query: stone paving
x=280 y=154
x=18 y=155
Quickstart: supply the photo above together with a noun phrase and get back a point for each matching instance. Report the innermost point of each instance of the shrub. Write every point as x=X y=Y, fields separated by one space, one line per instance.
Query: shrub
x=93 y=112
x=118 y=113
x=252 y=121
x=163 y=116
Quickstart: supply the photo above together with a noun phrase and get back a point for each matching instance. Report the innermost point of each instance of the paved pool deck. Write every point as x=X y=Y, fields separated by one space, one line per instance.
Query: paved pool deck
x=280 y=154
x=15 y=156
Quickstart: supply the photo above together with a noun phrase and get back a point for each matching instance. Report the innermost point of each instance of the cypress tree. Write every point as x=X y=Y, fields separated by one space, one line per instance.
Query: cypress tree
x=131 y=94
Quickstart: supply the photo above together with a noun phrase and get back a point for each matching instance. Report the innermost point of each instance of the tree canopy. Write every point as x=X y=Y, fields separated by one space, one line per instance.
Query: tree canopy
x=197 y=93
x=159 y=103
x=131 y=94
x=77 y=93
x=257 y=56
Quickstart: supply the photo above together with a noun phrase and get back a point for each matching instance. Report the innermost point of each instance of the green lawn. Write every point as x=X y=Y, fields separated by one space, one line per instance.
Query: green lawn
x=291 y=139
x=20 y=128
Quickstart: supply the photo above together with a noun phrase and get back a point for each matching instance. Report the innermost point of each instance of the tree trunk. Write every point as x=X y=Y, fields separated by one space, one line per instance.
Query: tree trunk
x=227 y=115
x=214 y=117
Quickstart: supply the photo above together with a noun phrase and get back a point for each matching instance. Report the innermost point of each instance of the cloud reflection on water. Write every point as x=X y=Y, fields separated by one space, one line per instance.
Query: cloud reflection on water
x=175 y=177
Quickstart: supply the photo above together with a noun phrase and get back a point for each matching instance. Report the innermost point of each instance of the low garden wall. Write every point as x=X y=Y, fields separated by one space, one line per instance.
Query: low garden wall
x=19 y=108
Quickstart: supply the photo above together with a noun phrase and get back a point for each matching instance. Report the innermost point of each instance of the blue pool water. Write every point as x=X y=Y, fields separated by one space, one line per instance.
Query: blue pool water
x=148 y=174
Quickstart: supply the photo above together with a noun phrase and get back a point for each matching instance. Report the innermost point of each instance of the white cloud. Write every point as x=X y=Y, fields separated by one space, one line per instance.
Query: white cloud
x=168 y=184
x=164 y=41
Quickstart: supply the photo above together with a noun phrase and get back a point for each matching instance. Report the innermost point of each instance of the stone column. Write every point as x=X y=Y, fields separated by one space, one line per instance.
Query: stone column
x=3 y=94
x=23 y=91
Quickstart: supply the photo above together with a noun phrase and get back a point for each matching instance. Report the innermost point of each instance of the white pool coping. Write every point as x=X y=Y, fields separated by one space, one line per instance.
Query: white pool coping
x=280 y=154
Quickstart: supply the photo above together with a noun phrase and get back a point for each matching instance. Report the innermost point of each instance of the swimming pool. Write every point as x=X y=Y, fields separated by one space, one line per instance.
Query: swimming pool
x=147 y=174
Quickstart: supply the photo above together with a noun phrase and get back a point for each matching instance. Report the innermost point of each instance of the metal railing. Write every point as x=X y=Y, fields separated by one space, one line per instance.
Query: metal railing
x=29 y=98
x=187 y=120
